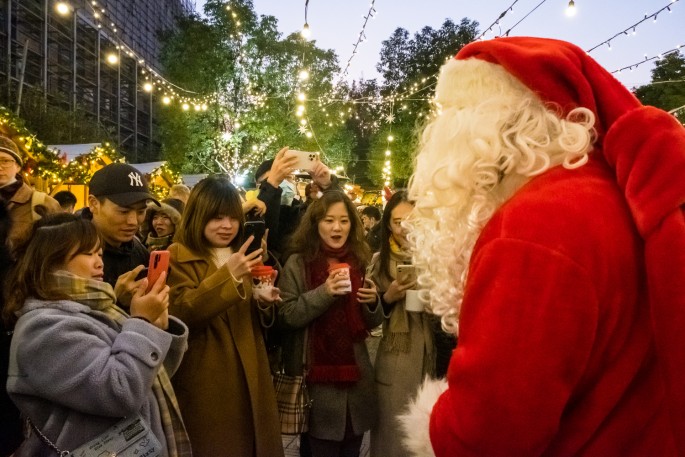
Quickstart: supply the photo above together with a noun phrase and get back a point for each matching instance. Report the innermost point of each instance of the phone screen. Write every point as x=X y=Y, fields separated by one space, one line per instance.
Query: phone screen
x=256 y=228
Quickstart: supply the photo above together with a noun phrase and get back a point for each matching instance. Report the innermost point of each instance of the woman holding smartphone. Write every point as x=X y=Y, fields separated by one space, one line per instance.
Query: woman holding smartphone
x=224 y=384
x=328 y=304
x=406 y=353
x=79 y=364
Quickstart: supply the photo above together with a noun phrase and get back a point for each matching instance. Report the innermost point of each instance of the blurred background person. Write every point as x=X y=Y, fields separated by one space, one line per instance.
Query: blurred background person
x=179 y=192
x=67 y=200
x=25 y=205
x=371 y=218
x=160 y=224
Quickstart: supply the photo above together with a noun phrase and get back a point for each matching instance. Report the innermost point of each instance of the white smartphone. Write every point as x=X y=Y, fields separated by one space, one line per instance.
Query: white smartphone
x=406 y=273
x=305 y=160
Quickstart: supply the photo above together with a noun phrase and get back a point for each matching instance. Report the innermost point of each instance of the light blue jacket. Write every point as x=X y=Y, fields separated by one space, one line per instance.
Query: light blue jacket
x=74 y=374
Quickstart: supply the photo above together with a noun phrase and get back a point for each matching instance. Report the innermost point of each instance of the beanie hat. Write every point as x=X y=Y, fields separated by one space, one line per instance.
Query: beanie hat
x=167 y=209
x=645 y=146
x=10 y=147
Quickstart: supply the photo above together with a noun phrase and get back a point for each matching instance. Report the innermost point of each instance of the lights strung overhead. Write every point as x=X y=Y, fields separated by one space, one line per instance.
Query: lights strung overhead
x=632 y=27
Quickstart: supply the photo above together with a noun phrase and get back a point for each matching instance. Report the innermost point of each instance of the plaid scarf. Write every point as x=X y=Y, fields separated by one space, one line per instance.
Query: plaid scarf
x=99 y=296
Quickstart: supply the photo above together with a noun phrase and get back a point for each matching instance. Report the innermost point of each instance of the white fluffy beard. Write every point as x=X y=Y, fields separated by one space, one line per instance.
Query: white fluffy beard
x=491 y=136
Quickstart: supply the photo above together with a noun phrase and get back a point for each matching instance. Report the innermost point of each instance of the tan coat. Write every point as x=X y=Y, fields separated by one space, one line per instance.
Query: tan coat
x=22 y=217
x=223 y=385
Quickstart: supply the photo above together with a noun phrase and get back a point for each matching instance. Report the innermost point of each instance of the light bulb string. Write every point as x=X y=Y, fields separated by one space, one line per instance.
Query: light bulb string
x=496 y=21
x=360 y=38
x=524 y=17
x=632 y=27
x=648 y=59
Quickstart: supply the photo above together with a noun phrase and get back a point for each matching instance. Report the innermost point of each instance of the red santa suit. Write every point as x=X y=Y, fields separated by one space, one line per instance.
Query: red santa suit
x=571 y=328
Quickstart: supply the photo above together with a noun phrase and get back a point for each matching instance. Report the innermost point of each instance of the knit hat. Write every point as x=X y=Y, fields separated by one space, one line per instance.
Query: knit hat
x=168 y=207
x=9 y=147
x=645 y=147
x=122 y=184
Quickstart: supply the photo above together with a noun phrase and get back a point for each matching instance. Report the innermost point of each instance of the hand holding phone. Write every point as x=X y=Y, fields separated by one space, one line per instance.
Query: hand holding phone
x=406 y=274
x=256 y=228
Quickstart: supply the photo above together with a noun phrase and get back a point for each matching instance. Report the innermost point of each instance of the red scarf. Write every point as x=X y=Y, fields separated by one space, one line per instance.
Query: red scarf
x=333 y=334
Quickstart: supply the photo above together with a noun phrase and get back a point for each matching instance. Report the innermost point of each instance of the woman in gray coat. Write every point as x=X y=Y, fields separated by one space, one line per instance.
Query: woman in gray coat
x=79 y=364
x=335 y=309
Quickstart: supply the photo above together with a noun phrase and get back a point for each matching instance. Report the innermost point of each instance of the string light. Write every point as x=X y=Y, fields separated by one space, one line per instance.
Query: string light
x=648 y=59
x=632 y=27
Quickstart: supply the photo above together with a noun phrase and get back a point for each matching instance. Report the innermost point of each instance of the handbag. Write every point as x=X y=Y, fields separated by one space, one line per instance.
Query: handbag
x=293 y=399
x=130 y=437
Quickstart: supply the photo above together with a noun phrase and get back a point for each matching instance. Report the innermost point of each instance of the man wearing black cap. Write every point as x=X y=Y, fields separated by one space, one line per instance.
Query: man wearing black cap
x=22 y=200
x=117 y=202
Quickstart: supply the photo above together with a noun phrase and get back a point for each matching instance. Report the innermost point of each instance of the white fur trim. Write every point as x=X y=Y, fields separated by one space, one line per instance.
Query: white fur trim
x=416 y=419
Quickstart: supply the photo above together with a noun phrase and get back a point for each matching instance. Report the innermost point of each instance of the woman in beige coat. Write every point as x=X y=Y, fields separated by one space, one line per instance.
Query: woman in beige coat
x=224 y=384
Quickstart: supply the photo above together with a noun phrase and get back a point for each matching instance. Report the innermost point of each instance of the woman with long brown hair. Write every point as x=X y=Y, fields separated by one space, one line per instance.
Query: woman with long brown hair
x=224 y=384
x=335 y=309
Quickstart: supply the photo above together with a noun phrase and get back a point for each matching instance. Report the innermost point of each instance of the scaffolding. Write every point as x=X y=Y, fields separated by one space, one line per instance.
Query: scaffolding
x=66 y=61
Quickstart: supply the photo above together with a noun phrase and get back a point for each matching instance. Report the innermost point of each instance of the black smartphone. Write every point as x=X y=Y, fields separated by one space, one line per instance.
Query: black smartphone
x=256 y=228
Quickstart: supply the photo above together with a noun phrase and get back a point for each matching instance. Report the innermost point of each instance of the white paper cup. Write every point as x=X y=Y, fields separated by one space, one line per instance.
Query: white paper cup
x=412 y=303
x=262 y=291
x=342 y=269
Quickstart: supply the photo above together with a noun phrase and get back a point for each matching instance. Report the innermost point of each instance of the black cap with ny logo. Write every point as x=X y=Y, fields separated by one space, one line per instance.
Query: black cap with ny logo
x=122 y=184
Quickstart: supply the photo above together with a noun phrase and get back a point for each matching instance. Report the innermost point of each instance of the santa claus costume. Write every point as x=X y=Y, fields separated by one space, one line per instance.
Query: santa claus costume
x=561 y=200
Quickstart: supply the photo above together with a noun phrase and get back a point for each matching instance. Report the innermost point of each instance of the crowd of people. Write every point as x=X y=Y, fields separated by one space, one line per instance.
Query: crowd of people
x=543 y=226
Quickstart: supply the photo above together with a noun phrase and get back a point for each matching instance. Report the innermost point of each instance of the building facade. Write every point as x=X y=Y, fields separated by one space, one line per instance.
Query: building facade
x=92 y=55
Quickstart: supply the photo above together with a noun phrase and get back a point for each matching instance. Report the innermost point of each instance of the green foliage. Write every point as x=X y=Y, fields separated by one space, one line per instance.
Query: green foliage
x=409 y=66
x=667 y=89
x=254 y=72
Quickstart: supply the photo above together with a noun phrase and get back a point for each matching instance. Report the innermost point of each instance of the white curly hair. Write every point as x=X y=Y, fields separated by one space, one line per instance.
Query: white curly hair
x=491 y=135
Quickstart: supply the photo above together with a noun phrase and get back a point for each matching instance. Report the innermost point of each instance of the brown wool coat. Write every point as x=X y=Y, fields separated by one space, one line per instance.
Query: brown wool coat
x=22 y=217
x=223 y=385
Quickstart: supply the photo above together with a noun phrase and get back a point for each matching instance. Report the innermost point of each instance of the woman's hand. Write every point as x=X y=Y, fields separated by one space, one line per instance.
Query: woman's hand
x=397 y=291
x=240 y=264
x=337 y=283
x=368 y=294
x=154 y=305
x=127 y=285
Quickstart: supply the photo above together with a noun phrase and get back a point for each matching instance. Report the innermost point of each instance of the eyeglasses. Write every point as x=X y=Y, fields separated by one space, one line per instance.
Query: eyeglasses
x=6 y=163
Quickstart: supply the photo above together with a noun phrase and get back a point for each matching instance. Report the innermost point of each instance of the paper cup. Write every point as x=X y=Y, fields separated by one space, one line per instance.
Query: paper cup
x=412 y=302
x=263 y=281
x=344 y=270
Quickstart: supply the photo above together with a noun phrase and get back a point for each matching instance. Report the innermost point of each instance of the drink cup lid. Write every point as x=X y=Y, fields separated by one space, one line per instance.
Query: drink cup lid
x=261 y=270
x=338 y=266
